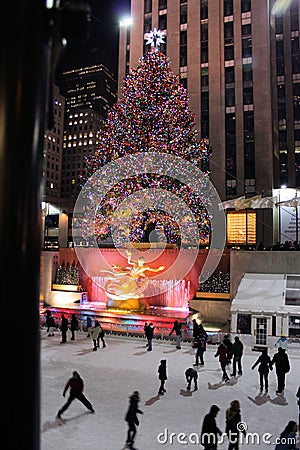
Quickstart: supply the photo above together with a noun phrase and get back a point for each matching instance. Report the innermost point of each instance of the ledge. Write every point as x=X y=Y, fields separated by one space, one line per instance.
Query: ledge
x=213 y=295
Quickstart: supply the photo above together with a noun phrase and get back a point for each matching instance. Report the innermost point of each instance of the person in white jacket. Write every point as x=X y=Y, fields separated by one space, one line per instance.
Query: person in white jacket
x=94 y=332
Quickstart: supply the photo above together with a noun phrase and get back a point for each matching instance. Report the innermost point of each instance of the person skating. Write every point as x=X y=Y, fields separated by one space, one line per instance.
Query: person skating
x=150 y=334
x=89 y=324
x=282 y=367
x=288 y=437
x=51 y=323
x=222 y=353
x=201 y=345
x=237 y=351
x=177 y=327
x=73 y=326
x=94 y=331
x=64 y=328
x=282 y=342
x=264 y=366
x=101 y=336
x=76 y=386
x=233 y=418
x=146 y=332
x=228 y=343
x=48 y=315
x=210 y=430
x=195 y=329
x=191 y=375
x=162 y=376
x=132 y=419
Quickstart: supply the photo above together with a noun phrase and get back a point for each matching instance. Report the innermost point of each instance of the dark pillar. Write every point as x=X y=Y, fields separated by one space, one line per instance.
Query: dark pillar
x=23 y=86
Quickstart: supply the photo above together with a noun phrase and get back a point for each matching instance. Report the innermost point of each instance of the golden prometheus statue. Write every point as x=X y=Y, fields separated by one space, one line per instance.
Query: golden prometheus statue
x=129 y=282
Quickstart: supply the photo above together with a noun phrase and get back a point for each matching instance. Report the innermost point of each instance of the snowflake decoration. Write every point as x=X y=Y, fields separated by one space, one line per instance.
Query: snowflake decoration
x=155 y=37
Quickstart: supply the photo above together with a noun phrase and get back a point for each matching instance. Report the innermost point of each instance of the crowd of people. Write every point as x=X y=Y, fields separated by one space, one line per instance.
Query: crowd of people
x=229 y=354
x=95 y=332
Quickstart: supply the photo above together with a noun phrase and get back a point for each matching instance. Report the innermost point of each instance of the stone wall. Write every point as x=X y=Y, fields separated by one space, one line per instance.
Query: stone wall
x=286 y=262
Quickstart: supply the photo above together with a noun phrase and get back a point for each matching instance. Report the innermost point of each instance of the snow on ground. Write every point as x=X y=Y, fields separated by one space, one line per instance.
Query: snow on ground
x=113 y=373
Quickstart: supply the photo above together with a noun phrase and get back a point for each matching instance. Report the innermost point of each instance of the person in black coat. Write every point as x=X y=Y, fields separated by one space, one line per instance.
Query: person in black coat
x=282 y=365
x=64 y=328
x=264 y=362
x=73 y=326
x=162 y=376
x=48 y=315
x=177 y=328
x=51 y=325
x=201 y=345
x=101 y=336
x=191 y=375
x=228 y=343
x=233 y=418
x=288 y=437
x=210 y=431
x=237 y=351
x=146 y=332
x=132 y=419
x=195 y=328
x=150 y=334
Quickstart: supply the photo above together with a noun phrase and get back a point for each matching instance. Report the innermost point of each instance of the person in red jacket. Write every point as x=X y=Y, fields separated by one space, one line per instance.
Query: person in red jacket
x=223 y=354
x=76 y=391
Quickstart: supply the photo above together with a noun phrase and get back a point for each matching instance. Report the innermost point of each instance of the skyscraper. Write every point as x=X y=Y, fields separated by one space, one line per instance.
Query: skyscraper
x=240 y=61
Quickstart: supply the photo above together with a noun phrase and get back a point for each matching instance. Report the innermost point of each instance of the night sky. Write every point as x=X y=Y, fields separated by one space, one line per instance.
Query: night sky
x=100 y=43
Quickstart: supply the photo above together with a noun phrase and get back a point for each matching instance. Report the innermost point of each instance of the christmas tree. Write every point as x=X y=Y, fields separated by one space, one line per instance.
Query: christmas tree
x=153 y=116
x=67 y=274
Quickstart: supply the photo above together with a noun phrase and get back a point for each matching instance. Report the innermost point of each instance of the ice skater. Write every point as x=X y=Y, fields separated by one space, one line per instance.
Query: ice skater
x=210 y=430
x=233 y=429
x=177 y=327
x=101 y=336
x=76 y=386
x=94 y=332
x=64 y=326
x=282 y=367
x=223 y=354
x=228 y=343
x=89 y=324
x=51 y=325
x=264 y=362
x=191 y=375
x=201 y=345
x=288 y=438
x=162 y=376
x=73 y=326
x=150 y=335
x=237 y=350
x=132 y=419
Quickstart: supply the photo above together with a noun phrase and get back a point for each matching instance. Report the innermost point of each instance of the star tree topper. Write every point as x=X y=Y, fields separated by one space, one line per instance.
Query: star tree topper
x=155 y=37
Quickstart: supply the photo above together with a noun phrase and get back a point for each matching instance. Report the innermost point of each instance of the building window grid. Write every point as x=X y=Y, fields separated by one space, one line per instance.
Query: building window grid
x=183 y=48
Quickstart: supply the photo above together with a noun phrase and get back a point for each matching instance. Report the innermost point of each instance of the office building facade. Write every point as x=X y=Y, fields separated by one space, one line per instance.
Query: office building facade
x=239 y=60
x=240 y=63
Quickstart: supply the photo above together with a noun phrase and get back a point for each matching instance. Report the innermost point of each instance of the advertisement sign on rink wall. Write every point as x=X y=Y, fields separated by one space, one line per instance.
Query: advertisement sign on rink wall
x=289 y=219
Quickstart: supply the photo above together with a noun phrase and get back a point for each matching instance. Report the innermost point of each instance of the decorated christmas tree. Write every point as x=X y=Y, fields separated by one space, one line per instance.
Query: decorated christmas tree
x=67 y=274
x=152 y=116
